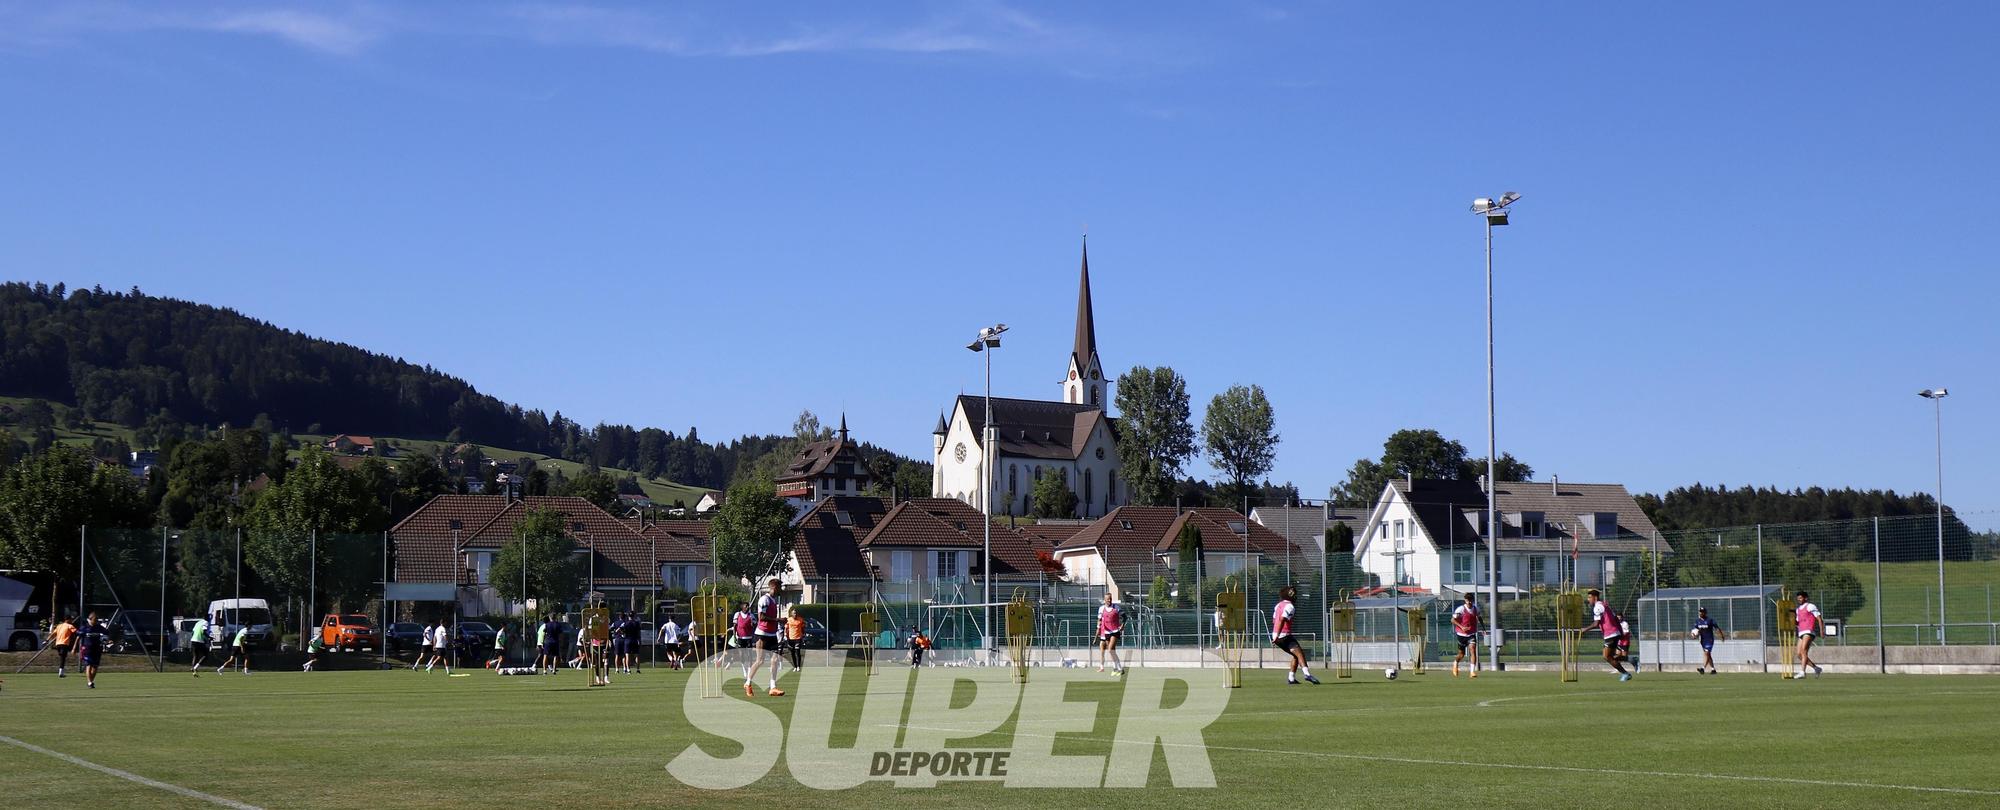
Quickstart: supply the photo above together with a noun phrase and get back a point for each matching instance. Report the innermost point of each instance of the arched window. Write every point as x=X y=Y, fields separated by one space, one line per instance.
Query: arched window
x=1093 y=395
x=1086 y=491
x=1013 y=484
x=1110 y=488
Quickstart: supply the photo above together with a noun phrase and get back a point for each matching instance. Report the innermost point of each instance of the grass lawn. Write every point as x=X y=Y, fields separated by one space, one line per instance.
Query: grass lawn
x=1909 y=596
x=403 y=739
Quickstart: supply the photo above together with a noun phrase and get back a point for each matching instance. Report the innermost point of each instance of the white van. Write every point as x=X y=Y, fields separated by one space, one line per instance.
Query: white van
x=229 y=614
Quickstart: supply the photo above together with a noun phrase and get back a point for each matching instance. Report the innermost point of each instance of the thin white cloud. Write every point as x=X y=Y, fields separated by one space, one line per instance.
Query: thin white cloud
x=314 y=31
x=346 y=33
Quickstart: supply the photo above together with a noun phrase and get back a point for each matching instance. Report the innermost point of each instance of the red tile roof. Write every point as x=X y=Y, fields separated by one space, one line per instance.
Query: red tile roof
x=1131 y=536
x=948 y=522
x=422 y=541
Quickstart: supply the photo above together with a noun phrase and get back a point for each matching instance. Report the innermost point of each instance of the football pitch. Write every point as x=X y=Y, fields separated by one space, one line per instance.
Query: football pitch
x=404 y=739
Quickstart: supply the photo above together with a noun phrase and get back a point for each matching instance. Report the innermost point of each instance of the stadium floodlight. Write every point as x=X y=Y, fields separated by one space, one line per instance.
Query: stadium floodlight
x=1936 y=396
x=989 y=338
x=1495 y=212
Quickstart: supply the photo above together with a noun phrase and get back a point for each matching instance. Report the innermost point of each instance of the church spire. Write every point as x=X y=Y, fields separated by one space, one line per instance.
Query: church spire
x=1086 y=323
x=843 y=427
x=1084 y=384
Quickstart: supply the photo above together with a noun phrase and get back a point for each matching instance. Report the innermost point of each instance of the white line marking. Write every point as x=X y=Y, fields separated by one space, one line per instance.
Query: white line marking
x=1529 y=767
x=129 y=776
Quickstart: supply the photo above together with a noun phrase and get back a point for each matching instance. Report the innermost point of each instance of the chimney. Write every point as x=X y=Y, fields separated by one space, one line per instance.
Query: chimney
x=1553 y=481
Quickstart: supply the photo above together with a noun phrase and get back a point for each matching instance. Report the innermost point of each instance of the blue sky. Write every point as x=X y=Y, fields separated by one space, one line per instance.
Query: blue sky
x=1748 y=235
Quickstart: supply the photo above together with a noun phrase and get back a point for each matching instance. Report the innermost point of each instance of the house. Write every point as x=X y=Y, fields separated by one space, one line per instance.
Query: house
x=829 y=467
x=348 y=443
x=1075 y=437
x=622 y=561
x=824 y=559
x=1130 y=546
x=933 y=548
x=708 y=502
x=684 y=554
x=142 y=463
x=1430 y=534
x=1306 y=526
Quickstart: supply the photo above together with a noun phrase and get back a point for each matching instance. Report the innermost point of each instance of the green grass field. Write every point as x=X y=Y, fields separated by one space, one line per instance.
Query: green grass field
x=397 y=738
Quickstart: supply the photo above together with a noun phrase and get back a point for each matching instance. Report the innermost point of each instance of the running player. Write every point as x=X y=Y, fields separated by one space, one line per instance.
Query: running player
x=765 y=640
x=313 y=648
x=499 y=659
x=547 y=643
x=440 y=648
x=615 y=633
x=198 y=644
x=1282 y=638
x=239 y=651
x=918 y=644
x=634 y=630
x=741 y=624
x=424 y=637
x=1707 y=631
x=1809 y=620
x=670 y=641
x=62 y=637
x=1612 y=627
x=90 y=643
x=1110 y=628
x=1465 y=625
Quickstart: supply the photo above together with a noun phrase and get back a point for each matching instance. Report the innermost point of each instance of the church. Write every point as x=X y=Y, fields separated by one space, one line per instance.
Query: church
x=1033 y=438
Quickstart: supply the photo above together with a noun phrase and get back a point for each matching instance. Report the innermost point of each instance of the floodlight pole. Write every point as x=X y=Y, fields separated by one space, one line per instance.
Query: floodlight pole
x=1936 y=396
x=1495 y=213
x=986 y=441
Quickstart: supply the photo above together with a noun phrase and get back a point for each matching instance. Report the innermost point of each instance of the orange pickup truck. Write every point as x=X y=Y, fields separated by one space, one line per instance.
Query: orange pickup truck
x=348 y=631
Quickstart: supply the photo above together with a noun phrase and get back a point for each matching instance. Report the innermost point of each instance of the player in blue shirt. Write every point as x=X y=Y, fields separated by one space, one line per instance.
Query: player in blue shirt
x=90 y=643
x=1706 y=631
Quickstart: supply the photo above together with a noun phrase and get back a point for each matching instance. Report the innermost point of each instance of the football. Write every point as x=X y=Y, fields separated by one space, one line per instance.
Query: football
x=1389 y=673
x=1694 y=634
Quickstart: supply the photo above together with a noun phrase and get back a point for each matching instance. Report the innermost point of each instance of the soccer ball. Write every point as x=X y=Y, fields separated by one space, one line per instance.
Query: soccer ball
x=1389 y=673
x=1694 y=634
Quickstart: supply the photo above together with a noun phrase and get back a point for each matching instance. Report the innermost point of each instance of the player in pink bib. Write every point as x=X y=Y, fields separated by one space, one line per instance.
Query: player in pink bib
x=1282 y=638
x=1110 y=626
x=1810 y=623
x=1613 y=629
x=1465 y=625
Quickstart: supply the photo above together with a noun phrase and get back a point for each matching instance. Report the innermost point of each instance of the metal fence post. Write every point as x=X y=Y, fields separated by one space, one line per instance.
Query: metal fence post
x=163 y=602
x=1763 y=610
x=1881 y=646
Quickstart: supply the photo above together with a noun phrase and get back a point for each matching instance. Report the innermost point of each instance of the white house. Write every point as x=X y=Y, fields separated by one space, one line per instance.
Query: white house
x=1076 y=437
x=1430 y=534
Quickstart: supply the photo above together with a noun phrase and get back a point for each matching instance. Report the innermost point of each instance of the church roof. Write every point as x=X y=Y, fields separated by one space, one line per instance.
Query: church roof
x=1033 y=428
x=1086 y=322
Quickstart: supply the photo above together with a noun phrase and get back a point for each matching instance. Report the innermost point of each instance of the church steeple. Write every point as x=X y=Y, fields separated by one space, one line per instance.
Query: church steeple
x=843 y=427
x=1085 y=382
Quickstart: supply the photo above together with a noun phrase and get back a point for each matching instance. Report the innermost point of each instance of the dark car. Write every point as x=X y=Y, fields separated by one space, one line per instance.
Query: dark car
x=404 y=636
x=475 y=636
x=816 y=637
x=135 y=631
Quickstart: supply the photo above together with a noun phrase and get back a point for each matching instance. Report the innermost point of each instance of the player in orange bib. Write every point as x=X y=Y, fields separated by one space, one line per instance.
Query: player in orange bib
x=1465 y=625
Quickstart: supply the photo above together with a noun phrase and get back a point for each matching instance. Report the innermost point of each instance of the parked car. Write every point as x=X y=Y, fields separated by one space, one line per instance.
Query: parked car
x=348 y=631
x=816 y=636
x=404 y=636
x=475 y=636
x=135 y=631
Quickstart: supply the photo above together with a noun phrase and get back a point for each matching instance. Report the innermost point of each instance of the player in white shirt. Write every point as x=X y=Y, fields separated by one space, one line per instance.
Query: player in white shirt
x=441 y=642
x=1614 y=630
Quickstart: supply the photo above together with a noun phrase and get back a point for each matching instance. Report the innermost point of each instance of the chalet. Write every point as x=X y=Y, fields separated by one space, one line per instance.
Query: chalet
x=829 y=467
x=348 y=443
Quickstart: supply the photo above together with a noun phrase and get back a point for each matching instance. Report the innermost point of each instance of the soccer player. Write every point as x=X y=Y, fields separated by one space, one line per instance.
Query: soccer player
x=1465 y=625
x=440 y=647
x=550 y=636
x=499 y=658
x=313 y=648
x=1282 y=638
x=615 y=634
x=795 y=636
x=1707 y=631
x=634 y=633
x=90 y=643
x=1218 y=627
x=1809 y=620
x=1613 y=629
x=62 y=637
x=239 y=651
x=423 y=646
x=765 y=640
x=198 y=644
x=1110 y=627
x=742 y=625
x=670 y=641
x=918 y=644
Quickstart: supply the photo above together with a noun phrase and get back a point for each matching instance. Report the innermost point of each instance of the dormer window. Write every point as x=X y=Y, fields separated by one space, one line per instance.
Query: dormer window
x=1532 y=525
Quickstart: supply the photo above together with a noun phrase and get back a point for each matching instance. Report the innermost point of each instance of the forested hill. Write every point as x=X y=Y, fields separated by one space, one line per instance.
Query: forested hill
x=1699 y=506
x=140 y=360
